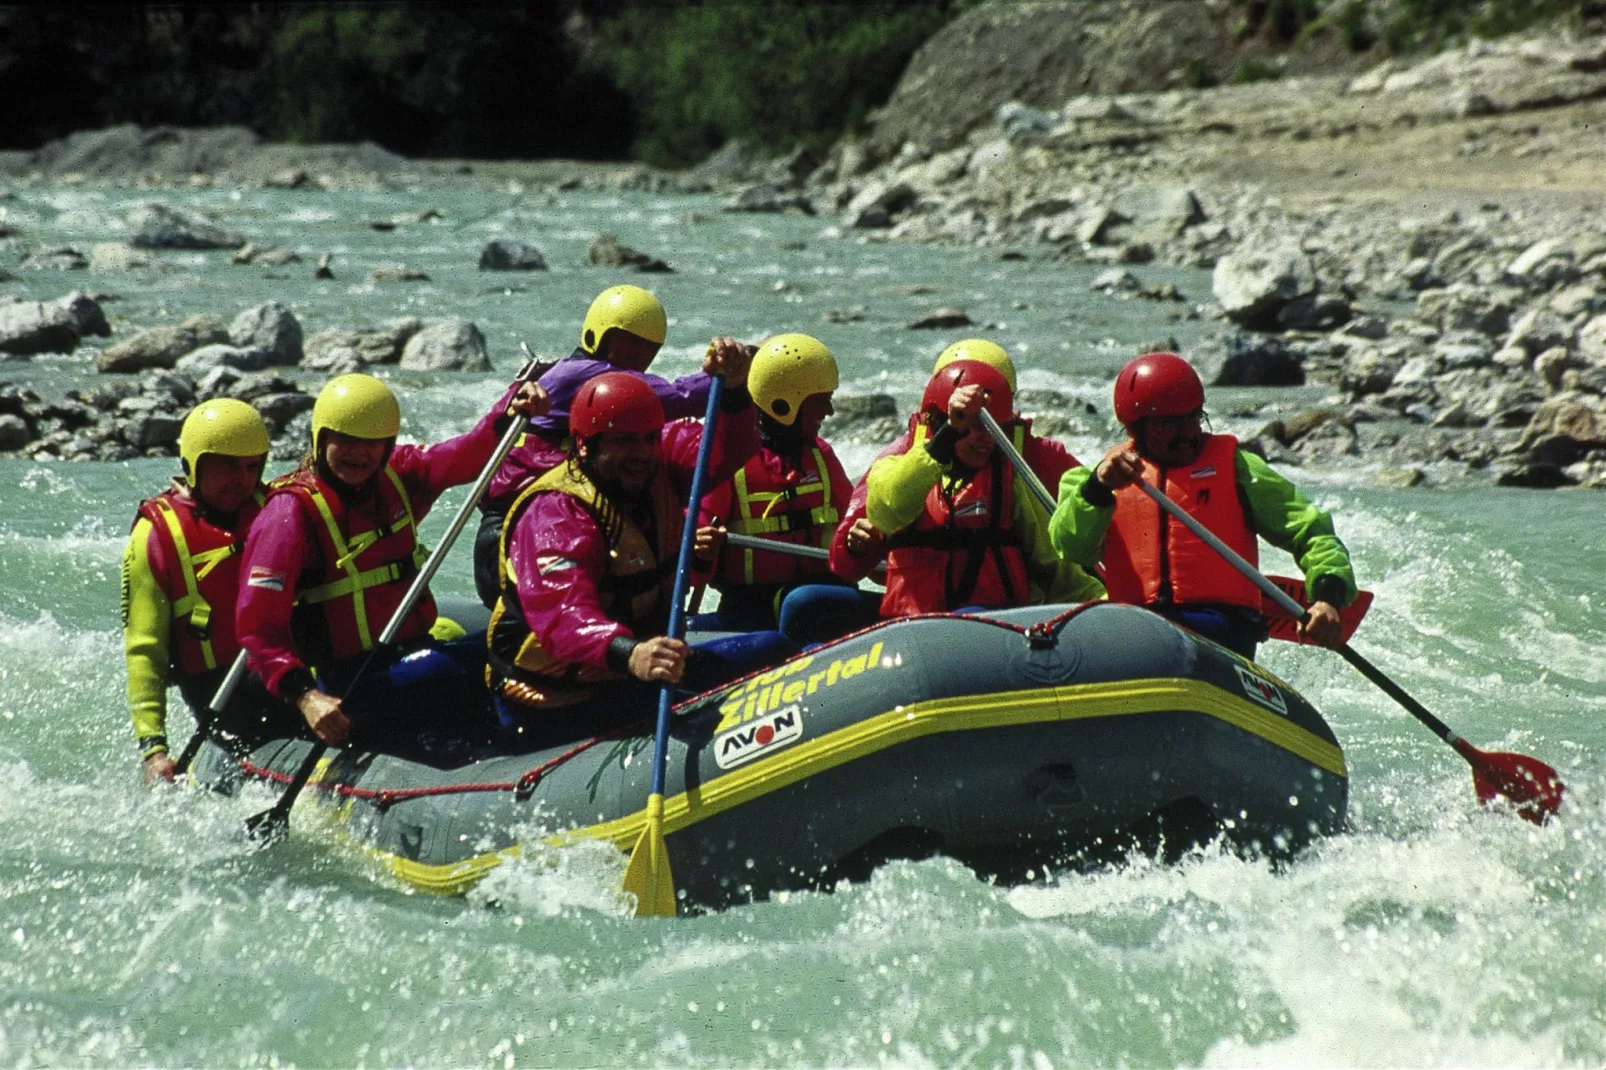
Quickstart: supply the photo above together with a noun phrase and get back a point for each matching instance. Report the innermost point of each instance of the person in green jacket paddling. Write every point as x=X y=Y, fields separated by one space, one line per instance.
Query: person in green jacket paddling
x=1148 y=559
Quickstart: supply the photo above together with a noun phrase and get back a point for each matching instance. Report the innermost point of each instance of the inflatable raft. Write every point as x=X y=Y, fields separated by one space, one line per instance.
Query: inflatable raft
x=1013 y=742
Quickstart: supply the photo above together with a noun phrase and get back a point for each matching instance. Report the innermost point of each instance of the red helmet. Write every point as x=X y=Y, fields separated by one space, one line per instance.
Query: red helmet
x=1000 y=399
x=615 y=401
x=1157 y=384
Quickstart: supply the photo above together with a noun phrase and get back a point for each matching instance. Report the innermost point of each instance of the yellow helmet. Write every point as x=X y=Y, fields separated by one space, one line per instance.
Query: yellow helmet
x=223 y=426
x=979 y=349
x=788 y=369
x=629 y=308
x=357 y=405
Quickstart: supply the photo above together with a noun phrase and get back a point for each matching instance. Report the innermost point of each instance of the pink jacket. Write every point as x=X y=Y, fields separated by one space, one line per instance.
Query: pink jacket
x=558 y=555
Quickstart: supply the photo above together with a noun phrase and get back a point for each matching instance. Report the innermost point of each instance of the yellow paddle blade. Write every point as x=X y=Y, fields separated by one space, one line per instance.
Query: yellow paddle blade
x=648 y=877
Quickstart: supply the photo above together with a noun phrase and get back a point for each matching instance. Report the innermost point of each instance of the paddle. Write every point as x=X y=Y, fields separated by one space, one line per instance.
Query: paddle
x=1281 y=626
x=203 y=723
x=272 y=825
x=775 y=546
x=1533 y=786
x=647 y=877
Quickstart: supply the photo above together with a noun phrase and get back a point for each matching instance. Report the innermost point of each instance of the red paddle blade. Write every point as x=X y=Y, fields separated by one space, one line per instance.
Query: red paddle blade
x=1534 y=787
x=1287 y=630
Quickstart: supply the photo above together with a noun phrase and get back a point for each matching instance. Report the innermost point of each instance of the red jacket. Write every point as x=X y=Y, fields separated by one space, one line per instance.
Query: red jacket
x=1045 y=456
x=287 y=546
x=769 y=497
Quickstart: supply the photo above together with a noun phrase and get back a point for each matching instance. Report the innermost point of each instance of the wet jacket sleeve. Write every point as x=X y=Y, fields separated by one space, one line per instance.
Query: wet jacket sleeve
x=896 y=487
x=558 y=558
x=428 y=471
x=1056 y=579
x=1289 y=521
x=1078 y=526
x=147 y=624
x=845 y=564
x=735 y=440
x=280 y=547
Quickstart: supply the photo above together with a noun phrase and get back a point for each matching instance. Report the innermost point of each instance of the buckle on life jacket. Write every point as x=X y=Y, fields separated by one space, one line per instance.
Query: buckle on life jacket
x=199 y=625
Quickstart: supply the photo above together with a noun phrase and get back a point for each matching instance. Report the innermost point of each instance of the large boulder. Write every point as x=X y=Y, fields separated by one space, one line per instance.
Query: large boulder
x=338 y=351
x=1248 y=360
x=28 y=327
x=1254 y=283
x=607 y=251
x=161 y=347
x=222 y=355
x=161 y=226
x=269 y=327
x=452 y=345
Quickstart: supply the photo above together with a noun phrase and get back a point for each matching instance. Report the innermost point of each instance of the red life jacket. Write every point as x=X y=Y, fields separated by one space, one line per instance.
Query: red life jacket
x=203 y=576
x=1149 y=559
x=961 y=551
x=794 y=507
x=368 y=556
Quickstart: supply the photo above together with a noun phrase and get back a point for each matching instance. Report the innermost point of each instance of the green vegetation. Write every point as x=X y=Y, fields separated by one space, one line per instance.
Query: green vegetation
x=1405 y=25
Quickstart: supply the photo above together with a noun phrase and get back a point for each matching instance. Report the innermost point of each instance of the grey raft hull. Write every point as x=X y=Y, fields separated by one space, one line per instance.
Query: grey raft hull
x=1013 y=742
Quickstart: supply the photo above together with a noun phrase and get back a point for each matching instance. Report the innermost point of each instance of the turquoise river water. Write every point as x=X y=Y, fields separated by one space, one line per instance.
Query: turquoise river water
x=138 y=927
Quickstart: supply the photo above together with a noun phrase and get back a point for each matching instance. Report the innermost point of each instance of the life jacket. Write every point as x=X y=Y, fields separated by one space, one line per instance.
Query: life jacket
x=366 y=565
x=1150 y=559
x=203 y=579
x=962 y=550
x=794 y=507
x=635 y=591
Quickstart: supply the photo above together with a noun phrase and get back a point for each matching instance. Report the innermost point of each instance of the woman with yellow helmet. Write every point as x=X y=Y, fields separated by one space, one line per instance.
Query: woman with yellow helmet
x=793 y=490
x=181 y=573
x=623 y=331
x=334 y=552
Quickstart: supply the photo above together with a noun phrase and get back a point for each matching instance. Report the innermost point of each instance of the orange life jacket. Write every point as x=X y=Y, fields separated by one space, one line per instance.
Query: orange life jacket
x=369 y=557
x=961 y=551
x=203 y=577
x=1150 y=559
x=635 y=591
x=795 y=508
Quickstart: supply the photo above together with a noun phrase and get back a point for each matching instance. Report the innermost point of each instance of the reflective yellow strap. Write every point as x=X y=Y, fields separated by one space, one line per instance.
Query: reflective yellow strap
x=343 y=560
x=352 y=584
x=192 y=605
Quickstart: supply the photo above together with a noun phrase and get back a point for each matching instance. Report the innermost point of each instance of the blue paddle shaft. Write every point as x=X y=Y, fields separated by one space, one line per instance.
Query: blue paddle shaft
x=677 y=600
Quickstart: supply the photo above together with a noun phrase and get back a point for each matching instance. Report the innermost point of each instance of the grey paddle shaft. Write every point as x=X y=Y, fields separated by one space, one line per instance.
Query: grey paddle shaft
x=791 y=549
x=1022 y=469
x=1248 y=571
x=203 y=723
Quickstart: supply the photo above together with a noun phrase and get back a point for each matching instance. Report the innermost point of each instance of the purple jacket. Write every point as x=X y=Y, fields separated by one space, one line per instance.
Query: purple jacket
x=542 y=448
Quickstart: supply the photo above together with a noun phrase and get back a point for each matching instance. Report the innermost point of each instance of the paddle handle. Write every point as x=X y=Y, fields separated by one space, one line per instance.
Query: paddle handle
x=775 y=546
x=225 y=691
x=274 y=819
x=683 y=565
x=1016 y=461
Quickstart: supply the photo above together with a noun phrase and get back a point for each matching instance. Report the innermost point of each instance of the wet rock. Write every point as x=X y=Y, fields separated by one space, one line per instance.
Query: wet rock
x=452 y=345
x=324 y=271
x=1538 y=330
x=1151 y=214
x=147 y=430
x=1117 y=281
x=1253 y=284
x=939 y=319
x=278 y=409
x=1248 y=360
x=109 y=256
x=767 y=198
x=29 y=327
x=14 y=432
x=1023 y=124
x=161 y=347
x=338 y=351
x=1314 y=312
x=1581 y=299
x=865 y=418
x=397 y=273
x=266 y=255
x=1562 y=426
x=269 y=327
x=1544 y=264
x=59 y=259
x=1591 y=342
x=161 y=226
x=607 y=251
x=878 y=202
x=505 y=254
x=855 y=314
x=1534 y=476
x=221 y=354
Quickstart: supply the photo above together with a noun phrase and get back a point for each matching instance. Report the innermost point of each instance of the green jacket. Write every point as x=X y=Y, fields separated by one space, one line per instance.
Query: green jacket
x=1278 y=513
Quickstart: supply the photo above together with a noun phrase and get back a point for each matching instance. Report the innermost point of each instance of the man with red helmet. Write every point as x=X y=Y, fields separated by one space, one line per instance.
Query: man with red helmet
x=1150 y=560
x=961 y=533
x=587 y=561
x=858 y=547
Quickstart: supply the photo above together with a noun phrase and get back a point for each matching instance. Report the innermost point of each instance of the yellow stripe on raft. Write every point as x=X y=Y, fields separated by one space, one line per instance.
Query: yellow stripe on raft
x=918 y=719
